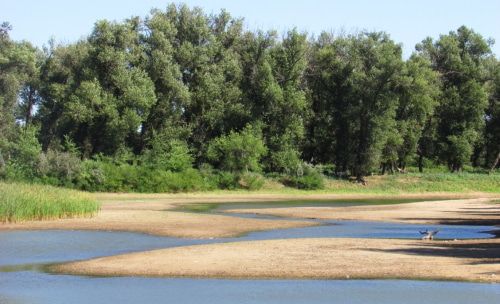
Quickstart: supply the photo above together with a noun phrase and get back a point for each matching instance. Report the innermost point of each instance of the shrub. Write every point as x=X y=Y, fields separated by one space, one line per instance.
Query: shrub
x=23 y=155
x=308 y=179
x=309 y=182
x=99 y=175
x=238 y=151
x=287 y=160
x=327 y=170
x=168 y=181
x=62 y=168
x=227 y=180
x=251 y=181
x=168 y=154
x=91 y=177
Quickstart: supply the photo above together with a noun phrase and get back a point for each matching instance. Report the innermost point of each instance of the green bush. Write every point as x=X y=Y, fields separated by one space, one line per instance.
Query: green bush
x=238 y=151
x=98 y=175
x=287 y=160
x=308 y=179
x=91 y=177
x=23 y=156
x=168 y=181
x=306 y=182
x=310 y=182
x=251 y=181
x=59 y=168
x=227 y=180
x=168 y=154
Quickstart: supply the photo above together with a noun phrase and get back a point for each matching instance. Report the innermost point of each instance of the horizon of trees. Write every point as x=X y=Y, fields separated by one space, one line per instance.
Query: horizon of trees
x=181 y=89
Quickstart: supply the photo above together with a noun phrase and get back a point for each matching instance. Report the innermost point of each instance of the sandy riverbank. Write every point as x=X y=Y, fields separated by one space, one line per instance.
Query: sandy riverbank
x=480 y=211
x=472 y=260
x=162 y=223
x=152 y=214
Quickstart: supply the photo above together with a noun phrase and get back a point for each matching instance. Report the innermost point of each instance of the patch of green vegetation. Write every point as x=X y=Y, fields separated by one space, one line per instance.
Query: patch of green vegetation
x=199 y=207
x=420 y=183
x=21 y=202
x=210 y=207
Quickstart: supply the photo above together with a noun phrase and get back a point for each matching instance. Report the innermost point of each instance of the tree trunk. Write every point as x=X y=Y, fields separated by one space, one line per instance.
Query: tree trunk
x=495 y=163
x=421 y=163
x=31 y=103
x=2 y=162
x=360 y=179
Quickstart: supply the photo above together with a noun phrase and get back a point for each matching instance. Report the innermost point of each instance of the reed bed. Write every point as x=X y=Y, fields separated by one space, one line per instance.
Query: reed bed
x=24 y=202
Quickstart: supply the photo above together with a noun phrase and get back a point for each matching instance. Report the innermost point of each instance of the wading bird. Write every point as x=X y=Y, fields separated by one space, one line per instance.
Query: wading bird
x=428 y=235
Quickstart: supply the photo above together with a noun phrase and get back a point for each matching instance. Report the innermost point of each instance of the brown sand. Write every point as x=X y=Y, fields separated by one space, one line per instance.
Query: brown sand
x=149 y=213
x=473 y=260
x=164 y=223
x=462 y=211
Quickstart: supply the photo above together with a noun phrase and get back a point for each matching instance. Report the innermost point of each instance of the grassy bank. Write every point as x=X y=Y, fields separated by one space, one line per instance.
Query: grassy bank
x=398 y=186
x=20 y=202
x=420 y=183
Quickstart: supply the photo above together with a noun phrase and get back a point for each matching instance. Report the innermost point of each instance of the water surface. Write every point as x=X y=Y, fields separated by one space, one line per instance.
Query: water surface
x=30 y=287
x=23 y=253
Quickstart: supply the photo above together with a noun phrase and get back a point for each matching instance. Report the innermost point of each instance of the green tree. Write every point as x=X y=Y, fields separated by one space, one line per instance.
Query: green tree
x=356 y=79
x=116 y=55
x=61 y=73
x=459 y=59
x=205 y=52
x=418 y=90
x=18 y=69
x=275 y=93
x=172 y=95
x=492 y=130
x=96 y=90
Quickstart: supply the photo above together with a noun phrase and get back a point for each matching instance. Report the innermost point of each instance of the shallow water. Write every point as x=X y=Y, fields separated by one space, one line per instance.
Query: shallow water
x=48 y=246
x=22 y=281
x=317 y=203
x=365 y=229
x=30 y=287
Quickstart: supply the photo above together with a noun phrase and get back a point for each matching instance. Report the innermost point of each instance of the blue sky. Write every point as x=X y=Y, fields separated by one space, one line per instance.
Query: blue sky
x=407 y=22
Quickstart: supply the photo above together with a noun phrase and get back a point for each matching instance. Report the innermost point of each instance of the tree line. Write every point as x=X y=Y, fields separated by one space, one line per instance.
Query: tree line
x=181 y=89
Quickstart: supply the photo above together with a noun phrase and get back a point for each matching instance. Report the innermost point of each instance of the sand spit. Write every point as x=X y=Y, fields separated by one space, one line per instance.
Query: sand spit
x=471 y=260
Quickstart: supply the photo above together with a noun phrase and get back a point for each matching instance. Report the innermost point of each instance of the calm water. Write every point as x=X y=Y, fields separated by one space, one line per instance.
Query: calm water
x=22 y=252
x=35 y=247
x=30 y=287
x=48 y=246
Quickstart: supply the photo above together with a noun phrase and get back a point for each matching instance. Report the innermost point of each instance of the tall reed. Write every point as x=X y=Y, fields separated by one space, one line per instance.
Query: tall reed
x=22 y=202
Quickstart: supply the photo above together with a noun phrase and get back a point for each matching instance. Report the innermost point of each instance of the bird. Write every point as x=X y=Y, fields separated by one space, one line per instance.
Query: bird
x=428 y=235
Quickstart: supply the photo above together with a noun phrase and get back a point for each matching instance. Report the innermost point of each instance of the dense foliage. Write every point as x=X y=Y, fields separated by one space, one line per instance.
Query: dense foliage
x=182 y=100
